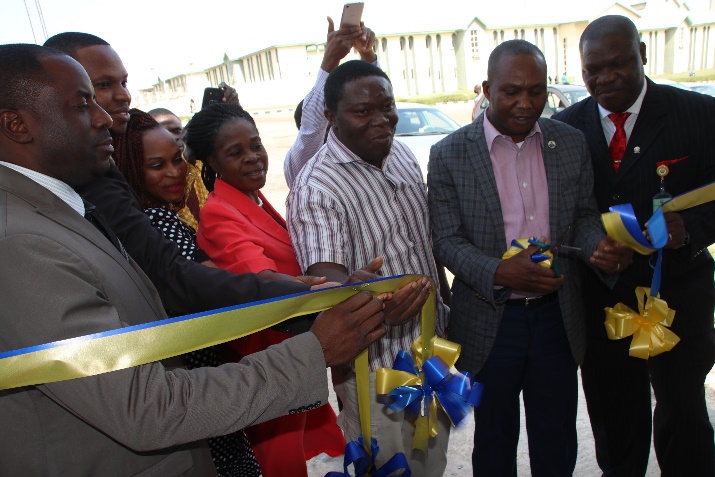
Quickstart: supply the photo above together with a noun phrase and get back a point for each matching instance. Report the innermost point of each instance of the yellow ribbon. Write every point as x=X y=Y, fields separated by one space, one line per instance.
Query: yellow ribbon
x=524 y=243
x=90 y=355
x=649 y=326
x=362 y=371
x=423 y=348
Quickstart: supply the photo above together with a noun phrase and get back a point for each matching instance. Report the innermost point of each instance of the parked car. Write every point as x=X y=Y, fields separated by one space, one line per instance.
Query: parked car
x=708 y=89
x=674 y=84
x=560 y=97
x=419 y=126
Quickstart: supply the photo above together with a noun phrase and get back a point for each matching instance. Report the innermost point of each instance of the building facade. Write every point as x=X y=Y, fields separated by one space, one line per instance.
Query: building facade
x=453 y=55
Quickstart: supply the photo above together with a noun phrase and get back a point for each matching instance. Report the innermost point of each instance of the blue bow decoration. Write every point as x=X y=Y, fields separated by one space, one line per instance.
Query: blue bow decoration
x=364 y=463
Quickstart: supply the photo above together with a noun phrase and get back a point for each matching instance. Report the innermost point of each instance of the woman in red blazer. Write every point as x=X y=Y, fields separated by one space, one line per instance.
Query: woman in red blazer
x=242 y=232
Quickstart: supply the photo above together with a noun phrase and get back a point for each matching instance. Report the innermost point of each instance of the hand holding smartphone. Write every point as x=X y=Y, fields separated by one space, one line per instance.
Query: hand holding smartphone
x=352 y=14
x=211 y=96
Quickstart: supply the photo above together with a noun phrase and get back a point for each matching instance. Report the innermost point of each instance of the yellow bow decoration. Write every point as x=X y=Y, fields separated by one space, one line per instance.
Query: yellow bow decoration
x=649 y=326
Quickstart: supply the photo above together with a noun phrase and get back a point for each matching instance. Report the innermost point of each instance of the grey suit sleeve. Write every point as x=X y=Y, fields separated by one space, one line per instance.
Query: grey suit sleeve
x=452 y=247
x=55 y=295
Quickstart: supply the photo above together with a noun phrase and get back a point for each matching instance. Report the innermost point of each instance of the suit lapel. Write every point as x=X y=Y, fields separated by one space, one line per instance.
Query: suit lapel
x=549 y=151
x=590 y=125
x=53 y=208
x=648 y=126
x=267 y=219
x=478 y=154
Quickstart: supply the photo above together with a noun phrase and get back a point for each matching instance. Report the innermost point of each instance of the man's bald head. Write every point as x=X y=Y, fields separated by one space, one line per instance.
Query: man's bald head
x=610 y=25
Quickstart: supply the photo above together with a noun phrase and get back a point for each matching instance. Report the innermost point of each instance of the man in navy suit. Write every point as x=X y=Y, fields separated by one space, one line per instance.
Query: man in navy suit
x=508 y=175
x=667 y=127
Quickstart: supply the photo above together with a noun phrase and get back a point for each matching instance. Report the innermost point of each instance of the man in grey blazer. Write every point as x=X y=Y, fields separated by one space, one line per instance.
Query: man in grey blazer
x=61 y=277
x=506 y=176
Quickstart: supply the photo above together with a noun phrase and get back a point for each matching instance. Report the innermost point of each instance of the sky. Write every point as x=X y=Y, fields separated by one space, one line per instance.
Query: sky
x=163 y=39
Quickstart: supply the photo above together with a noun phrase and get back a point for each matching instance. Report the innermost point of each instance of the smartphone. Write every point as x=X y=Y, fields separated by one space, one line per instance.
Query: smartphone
x=352 y=14
x=211 y=96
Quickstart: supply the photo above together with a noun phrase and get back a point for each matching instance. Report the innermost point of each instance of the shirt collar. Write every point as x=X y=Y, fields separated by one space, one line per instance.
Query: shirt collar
x=491 y=133
x=635 y=107
x=66 y=193
x=341 y=154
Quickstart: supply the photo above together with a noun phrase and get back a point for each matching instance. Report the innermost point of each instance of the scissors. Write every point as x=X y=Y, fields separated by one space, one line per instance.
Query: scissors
x=556 y=248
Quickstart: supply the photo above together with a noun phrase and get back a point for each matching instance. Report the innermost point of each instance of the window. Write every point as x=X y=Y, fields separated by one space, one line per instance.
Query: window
x=474 y=40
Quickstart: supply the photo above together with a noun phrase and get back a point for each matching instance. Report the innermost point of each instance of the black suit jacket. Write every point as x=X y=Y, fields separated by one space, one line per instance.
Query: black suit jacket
x=673 y=124
x=183 y=285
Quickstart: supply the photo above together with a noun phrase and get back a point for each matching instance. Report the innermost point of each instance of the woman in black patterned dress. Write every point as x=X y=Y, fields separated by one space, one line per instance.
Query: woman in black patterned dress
x=151 y=161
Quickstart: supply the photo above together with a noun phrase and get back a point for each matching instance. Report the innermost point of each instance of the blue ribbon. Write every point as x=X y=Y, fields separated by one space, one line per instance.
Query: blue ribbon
x=657 y=231
x=364 y=463
x=455 y=392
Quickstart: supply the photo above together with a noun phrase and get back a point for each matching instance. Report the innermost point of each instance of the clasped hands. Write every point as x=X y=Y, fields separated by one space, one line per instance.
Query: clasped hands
x=352 y=325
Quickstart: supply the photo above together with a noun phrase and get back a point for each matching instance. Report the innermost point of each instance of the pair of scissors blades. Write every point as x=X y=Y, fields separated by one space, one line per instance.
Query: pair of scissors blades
x=556 y=249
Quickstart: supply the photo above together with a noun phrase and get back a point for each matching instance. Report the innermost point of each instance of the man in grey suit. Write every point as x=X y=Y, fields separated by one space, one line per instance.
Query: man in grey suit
x=506 y=176
x=61 y=277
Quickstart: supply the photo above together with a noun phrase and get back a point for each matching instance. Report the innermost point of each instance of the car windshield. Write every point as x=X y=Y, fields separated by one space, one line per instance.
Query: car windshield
x=576 y=95
x=423 y=122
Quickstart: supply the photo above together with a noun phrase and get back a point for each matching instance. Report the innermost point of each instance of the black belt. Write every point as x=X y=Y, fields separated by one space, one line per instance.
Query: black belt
x=532 y=300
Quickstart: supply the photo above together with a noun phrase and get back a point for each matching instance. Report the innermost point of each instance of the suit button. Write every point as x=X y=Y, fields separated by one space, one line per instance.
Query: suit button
x=616 y=197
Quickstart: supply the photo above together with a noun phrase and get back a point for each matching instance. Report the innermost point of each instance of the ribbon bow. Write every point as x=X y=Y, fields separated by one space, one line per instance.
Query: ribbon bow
x=649 y=326
x=420 y=390
x=364 y=461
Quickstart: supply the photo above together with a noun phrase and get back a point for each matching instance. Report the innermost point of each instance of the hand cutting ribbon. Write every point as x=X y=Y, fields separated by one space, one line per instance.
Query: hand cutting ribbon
x=649 y=327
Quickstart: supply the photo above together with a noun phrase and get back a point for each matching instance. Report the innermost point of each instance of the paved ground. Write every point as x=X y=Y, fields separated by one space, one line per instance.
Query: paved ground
x=278 y=132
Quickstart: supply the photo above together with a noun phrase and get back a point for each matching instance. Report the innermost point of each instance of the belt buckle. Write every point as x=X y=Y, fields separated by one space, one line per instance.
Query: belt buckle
x=530 y=299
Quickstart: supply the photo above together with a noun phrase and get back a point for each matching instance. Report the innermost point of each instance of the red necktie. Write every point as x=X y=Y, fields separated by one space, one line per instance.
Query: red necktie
x=618 y=142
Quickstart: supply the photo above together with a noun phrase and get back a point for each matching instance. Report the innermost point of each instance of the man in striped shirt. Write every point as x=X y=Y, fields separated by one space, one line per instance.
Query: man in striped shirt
x=362 y=196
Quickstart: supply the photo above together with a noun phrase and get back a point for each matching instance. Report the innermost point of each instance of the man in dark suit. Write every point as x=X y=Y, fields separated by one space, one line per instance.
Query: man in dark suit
x=506 y=176
x=667 y=127
x=61 y=277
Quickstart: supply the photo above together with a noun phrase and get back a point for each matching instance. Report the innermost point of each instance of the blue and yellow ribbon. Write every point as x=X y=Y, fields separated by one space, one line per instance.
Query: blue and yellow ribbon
x=141 y=344
x=650 y=337
x=364 y=462
x=421 y=387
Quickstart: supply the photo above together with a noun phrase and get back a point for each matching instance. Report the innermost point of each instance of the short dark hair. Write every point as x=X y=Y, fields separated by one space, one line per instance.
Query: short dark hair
x=511 y=48
x=345 y=73
x=608 y=25
x=201 y=134
x=298 y=114
x=156 y=112
x=22 y=75
x=71 y=41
